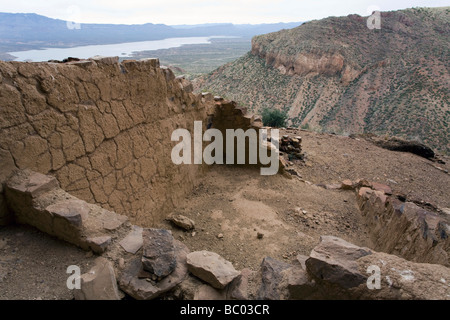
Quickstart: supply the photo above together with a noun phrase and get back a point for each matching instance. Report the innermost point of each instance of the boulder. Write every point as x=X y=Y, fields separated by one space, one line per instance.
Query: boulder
x=211 y=268
x=99 y=283
x=158 y=255
x=363 y=183
x=71 y=212
x=333 y=261
x=145 y=288
x=298 y=283
x=187 y=289
x=182 y=221
x=301 y=259
x=381 y=187
x=272 y=276
x=7 y=167
x=109 y=220
x=342 y=270
x=133 y=241
x=397 y=144
x=238 y=288
x=401 y=279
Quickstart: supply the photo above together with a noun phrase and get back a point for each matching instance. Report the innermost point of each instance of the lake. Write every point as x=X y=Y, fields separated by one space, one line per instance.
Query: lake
x=119 y=49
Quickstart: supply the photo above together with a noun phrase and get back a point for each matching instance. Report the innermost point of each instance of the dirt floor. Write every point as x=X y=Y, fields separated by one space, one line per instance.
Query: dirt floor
x=235 y=203
x=33 y=265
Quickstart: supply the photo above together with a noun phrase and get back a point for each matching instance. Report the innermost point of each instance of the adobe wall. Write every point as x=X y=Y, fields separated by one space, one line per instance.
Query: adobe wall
x=102 y=128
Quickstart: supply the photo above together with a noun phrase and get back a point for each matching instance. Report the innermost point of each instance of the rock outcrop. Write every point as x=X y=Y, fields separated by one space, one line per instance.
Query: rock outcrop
x=337 y=269
x=403 y=228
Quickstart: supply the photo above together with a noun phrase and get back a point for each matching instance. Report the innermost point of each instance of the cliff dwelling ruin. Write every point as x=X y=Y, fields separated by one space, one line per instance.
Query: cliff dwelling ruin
x=85 y=157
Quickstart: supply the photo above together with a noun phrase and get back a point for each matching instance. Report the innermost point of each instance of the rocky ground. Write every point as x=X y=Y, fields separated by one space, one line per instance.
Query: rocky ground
x=244 y=216
x=33 y=265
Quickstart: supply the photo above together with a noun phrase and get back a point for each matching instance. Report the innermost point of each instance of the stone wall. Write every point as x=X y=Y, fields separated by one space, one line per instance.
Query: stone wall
x=37 y=200
x=403 y=228
x=229 y=115
x=102 y=128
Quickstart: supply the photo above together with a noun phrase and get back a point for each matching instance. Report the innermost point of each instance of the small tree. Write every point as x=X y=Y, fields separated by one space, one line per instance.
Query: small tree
x=274 y=118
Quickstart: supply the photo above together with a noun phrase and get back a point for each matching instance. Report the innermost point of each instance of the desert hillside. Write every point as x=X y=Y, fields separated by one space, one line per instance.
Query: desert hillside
x=337 y=75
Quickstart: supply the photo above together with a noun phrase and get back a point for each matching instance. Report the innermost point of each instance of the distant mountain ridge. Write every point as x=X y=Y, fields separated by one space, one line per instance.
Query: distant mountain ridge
x=337 y=75
x=25 y=31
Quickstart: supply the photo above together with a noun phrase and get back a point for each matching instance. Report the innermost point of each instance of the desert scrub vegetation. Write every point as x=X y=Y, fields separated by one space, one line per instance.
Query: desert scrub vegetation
x=274 y=117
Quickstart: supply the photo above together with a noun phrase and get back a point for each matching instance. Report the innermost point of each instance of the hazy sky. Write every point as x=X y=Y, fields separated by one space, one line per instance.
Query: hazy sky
x=201 y=11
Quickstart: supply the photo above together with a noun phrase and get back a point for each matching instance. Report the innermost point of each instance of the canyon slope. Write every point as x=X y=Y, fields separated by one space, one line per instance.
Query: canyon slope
x=337 y=75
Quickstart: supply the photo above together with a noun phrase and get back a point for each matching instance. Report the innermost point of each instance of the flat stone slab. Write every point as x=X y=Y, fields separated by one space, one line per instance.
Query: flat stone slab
x=32 y=183
x=98 y=244
x=133 y=241
x=158 y=255
x=111 y=221
x=73 y=210
x=212 y=268
x=99 y=283
x=146 y=289
x=334 y=261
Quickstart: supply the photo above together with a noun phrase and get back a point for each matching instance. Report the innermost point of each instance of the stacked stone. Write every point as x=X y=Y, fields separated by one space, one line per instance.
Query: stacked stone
x=292 y=147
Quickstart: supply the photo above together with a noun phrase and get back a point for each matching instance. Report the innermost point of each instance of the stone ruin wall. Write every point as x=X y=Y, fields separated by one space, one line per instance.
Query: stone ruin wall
x=102 y=128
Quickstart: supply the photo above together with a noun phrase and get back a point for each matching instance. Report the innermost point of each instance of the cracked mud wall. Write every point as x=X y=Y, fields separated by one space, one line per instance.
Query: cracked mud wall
x=102 y=128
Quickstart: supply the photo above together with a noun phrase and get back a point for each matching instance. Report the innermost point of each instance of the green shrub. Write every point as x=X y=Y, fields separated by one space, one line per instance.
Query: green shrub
x=305 y=126
x=274 y=118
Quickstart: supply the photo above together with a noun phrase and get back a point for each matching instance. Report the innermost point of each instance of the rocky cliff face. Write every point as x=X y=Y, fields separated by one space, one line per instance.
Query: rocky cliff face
x=304 y=63
x=337 y=75
x=102 y=128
